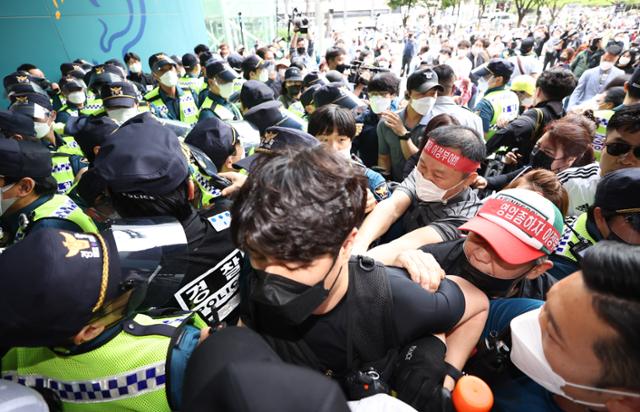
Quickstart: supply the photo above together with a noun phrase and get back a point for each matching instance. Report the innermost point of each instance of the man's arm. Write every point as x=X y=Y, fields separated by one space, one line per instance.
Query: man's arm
x=380 y=220
x=508 y=136
x=384 y=158
x=294 y=42
x=485 y=111
x=388 y=253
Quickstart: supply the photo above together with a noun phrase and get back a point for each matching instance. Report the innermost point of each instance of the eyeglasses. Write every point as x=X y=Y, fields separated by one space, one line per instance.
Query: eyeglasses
x=620 y=148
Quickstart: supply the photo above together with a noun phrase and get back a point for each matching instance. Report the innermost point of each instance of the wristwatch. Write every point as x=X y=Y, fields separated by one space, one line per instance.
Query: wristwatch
x=405 y=136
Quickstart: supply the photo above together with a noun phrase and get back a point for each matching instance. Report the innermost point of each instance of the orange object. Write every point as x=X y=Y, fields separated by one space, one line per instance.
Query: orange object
x=472 y=394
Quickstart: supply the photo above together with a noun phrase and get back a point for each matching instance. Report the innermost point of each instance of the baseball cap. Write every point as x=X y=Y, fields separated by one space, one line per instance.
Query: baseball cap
x=189 y=61
x=235 y=61
x=69 y=84
x=20 y=83
x=278 y=139
x=221 y=69
x=306 y=98
x=142 y=156
x=24 y=159
x=104 y=73
x=252 y=63
x=48 y=300
x=34 y=105
x=619 y=191
x=634 y=81
x=89 y=132
x=524 y=83
x=161 y=61
x=423 y=80
x=334 y=93
x=15 y=122
x=496 y=67
x=282 y=63
x=215 y=138
x=254 y=92
x=293 y=74
x=313 y=78
x=519 y=224
x=118 y=94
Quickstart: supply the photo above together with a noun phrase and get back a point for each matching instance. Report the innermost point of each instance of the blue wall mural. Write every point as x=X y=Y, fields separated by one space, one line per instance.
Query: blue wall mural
x=49 y=32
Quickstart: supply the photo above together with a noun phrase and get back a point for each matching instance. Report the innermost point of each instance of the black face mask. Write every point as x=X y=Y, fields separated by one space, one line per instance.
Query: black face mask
x=293 y=91
x=290 y=301
x=301 y=50
x=540 y=159
x=490 y=285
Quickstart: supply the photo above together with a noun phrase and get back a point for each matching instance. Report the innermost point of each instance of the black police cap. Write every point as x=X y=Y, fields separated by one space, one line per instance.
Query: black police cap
x=254 y=92
x=69 y=84
x=104 y=73
x=306 y=98
x=161 y=61
x=21 y=82
x=142 y=156
x=12 y=122
x=253 y=63
x=334 y=93
x=221 y=69
x=235 y=61
x=119 y=94
x=619 y=191
x=34 y=105
x=293 y=74
x=215 y=138
x=496 y=67
x=189 y=61
x=313 y=78
x=24 y=159
x=89 y=132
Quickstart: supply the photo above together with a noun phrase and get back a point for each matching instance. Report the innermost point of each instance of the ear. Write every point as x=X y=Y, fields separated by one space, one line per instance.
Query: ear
x=25 y=186
x=228 y=164
x=540 y=269
x=601 y=223
x=347 y=246
x=191 y=190
x=18 y=137
x=87 y=333
x=96 y=150
x=468 y=181
x=625 y=404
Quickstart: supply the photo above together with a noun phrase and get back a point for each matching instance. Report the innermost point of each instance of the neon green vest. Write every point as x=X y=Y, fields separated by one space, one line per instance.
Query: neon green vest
x=297 y=109
x=237 y=84
x=70 y=147
x=569 y=238
x=504 y=103
x=193 y=83
x=59 y=207
x=128 y=372
x=603 y=117
x=93 y=106
x=208 y=191
x=219 y=110
x=62 y=171
x=188 y=108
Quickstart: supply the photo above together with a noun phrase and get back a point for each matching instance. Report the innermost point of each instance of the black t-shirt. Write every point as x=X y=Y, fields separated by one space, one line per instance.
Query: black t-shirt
x=416 y=313
x=214 y=263
x=450 y=256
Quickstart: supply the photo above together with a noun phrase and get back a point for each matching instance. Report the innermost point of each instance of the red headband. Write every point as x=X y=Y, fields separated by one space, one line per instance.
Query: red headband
x=450 y=159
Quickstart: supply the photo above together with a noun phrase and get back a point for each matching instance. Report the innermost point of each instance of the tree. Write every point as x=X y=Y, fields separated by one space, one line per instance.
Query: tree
x=522 y=8
x=482 y=8
x=408 y=4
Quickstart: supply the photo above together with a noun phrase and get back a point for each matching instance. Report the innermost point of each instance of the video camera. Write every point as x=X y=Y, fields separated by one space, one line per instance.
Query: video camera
x=355 y=70
x=300 y=22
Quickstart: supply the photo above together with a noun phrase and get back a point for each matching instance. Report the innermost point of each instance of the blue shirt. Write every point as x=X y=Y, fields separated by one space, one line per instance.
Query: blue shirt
x=521 y=394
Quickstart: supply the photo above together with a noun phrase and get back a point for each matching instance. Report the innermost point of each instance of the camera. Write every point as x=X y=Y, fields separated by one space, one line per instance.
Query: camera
x=299 y=21
x=355 y=70
x=363 y=383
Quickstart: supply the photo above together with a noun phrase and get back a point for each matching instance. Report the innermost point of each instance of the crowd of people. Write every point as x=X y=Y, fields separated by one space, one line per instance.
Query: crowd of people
x=284 y=229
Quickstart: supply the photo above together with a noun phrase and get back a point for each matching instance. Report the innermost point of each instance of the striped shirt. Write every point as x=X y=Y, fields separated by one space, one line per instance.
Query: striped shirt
x=580 y=184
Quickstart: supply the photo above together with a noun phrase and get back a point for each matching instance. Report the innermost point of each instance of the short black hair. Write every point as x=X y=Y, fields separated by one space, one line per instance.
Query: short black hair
x=446 y=76
x=261 y=52
x=465 y=44
x=385 y=82
x=557 y=84
x=131 y=56
x=175 y=203
x=296 y=207
x=610 y=272
x=626 y=119
x=615 y=96
x=329 y=118
x=200 y=48
x=25 y=67
x=334 y=52
x=470 y=143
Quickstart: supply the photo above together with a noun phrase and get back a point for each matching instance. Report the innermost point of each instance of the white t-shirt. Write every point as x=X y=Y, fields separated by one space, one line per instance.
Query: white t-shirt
x=580 y=183
x=380 y=403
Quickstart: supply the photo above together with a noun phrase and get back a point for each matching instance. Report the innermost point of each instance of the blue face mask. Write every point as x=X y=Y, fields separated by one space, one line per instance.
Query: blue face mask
x=394 y=104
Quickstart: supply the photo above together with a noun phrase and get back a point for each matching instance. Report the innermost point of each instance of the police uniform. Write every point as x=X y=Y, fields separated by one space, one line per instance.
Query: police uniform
x=95 y=79
x=68 y=85
x=136 y=364
x=292 y=104
x=121 y=95
x=498 y=101
x=144 y=160
x=270 y=114
x=191 y=81
x=30 y=159
x=213 y=104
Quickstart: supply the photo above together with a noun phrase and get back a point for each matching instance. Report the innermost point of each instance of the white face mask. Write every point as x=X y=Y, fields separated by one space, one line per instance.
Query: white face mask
x=263 y=76
x=528 y=101
x=426 y=190
x=123 y=114
x=135 y=67
x=623 y=61
x=42 y=129
x=606 y=66
x=379 y=104
x=528 y=355
x=77 y=97
x=226 y=89
x=423 y=105
x=5 y=204
x=169 y=79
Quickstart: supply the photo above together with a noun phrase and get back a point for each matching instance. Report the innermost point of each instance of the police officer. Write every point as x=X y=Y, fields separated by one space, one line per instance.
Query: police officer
x=262 y=111
x=67 y=160
x=255 y=68
x=291 y=91
x=74 y=92
x=19 y=83
x=220 y=82
x=82 y=313
x=147 y=174
x=192 y=78
x=498 y=101
x=168 y=100
x=28 y=193
x=99 y=75
x=120 y=100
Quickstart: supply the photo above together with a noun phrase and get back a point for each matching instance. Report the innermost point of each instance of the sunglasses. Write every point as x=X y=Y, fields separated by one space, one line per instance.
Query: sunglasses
x=633 y=220
x=619 y=149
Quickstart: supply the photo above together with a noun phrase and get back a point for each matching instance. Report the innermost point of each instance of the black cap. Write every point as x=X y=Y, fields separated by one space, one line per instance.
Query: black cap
x=265 y=115
x=423 y=80
x=12 y=122
x=334 y=93
x=276 y=139
x=334 y=76
x=89 y=132
x=313 y=78
x=142 y=156
x=253 y=63
x=200 y=48
x=254 y=92
x=526 y=45
x=614 y=49
x=161 y=61
x=221 y=69
x=619 y=191
x=306 y=98
x=634 y=81
x=118 y=94
x=65 y=68
x=20 y=83
x=104 y=73
x=496 y=67
x=215 y=138
x=293 y=74
x=235 y=61
x=34 y=105
x=24 y=159
x=235 y=370
x=189 y=61
x=69 y=84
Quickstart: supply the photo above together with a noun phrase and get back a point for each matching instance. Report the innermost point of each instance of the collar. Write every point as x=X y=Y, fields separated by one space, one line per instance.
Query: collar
x=12 y=221
x=494 y=89
x=445 y=100
x=553 y=105
x=216 y=98
x=592 y=229
x=103 y=338
x=423 y=121
x=165 y=96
